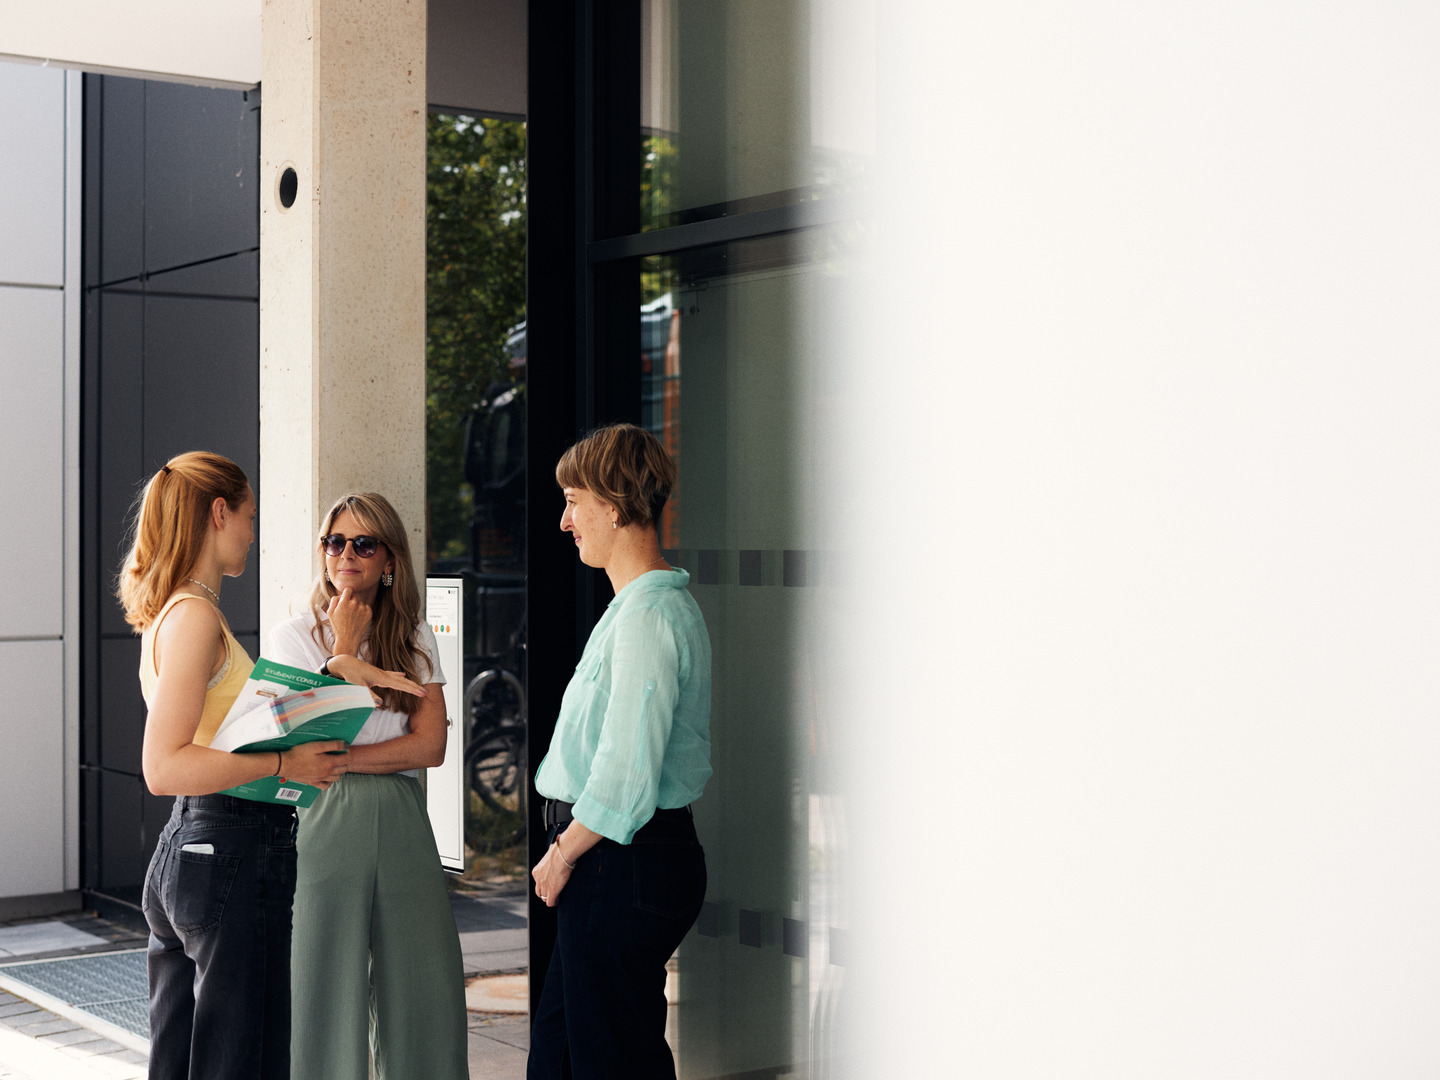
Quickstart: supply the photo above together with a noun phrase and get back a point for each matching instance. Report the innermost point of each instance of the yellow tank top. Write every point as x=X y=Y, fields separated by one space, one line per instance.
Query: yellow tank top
x=223 y=688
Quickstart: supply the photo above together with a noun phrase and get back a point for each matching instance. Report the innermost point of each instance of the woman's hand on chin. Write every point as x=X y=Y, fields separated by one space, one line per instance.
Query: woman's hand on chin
x=349 y=620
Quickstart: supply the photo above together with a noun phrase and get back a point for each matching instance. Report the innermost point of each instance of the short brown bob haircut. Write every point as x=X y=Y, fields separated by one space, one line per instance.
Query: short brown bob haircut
x=623 y=465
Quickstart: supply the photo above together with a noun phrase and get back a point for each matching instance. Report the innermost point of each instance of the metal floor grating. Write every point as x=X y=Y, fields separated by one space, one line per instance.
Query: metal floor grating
x=111 y=986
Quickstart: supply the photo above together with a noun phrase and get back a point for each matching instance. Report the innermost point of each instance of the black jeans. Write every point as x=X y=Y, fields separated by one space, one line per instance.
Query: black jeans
x=621 y=916
x=217 y=898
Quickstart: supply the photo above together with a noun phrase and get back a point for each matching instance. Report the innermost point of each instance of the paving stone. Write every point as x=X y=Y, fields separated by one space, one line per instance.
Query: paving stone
x=17 y=1008
x=30 y=939
x=71 y=1037
x=47 y=1027
x=494 y=1059
x=20 y=1019
x=91 y=1049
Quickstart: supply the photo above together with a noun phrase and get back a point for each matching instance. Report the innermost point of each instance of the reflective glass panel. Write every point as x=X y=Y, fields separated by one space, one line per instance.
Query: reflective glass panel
x=735 y=341
x=748 y=104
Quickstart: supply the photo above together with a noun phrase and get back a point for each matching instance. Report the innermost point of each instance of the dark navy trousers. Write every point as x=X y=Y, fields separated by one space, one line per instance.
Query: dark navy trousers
x=621 y=916
x=218 y=898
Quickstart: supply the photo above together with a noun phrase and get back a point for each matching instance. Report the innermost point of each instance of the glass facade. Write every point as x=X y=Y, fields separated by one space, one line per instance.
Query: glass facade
x=746 y=105
x=475 y=456
x=739 y=399
x=706 y=307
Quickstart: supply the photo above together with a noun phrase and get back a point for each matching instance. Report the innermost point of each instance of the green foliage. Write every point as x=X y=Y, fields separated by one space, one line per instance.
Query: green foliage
x=495 y=840
x=475 y=218
x=658 y=158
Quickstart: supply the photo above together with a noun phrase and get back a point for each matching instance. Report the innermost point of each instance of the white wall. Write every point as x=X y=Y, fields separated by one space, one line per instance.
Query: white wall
x=39 y=413
x=1141 y=477
x=476 y=62
x=214 y=41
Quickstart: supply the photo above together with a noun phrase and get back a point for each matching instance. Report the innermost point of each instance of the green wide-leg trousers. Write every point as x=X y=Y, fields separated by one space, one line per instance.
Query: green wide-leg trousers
x=375 y=960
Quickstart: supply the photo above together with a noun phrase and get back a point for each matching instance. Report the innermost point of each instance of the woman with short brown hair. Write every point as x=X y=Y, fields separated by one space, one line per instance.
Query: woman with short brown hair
x=631 y=751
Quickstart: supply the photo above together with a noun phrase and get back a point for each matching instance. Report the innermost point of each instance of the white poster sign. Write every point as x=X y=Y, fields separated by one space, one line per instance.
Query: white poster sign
x=445 y=785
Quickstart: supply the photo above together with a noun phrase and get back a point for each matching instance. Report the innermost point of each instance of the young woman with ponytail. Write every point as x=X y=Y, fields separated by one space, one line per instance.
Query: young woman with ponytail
x=218 y=893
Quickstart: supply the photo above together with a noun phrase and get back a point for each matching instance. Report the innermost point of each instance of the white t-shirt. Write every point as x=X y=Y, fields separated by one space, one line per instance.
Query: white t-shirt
x=292 y=643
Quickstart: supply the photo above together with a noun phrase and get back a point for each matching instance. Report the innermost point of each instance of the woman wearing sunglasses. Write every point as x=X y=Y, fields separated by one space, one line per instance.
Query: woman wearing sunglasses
x=377 y=965
x=217 y=894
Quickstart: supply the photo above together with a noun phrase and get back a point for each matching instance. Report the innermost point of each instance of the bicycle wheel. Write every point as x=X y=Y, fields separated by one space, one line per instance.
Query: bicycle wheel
x=495 y=764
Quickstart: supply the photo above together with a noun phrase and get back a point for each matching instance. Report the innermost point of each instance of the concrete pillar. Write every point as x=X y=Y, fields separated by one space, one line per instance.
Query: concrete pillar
x=342 y=275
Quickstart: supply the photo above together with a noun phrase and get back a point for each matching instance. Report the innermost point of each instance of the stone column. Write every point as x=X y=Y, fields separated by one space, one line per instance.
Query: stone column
x=342 y=275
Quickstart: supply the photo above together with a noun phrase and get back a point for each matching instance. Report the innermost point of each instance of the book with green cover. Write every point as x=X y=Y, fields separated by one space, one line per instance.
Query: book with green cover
x=282 y=706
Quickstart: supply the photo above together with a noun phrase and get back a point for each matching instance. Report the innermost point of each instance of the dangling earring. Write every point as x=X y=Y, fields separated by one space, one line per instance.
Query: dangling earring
x=614 y=524
x=387 y=579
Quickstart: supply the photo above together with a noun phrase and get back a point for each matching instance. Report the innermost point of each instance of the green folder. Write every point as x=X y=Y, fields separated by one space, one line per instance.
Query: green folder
x=280 y=707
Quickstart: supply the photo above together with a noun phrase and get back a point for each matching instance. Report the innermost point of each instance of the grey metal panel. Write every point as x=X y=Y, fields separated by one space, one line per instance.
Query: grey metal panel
x=202 y=165
x=92 y=96
x=74 y=306
x=171 y=229
x=236 y=276
x=122 y=178
x=202 y=382
x=121 y=461
x=154 y=813
x=32 y=413
x=31 y=795
x=122 y=708
x=122 y=863
x=32 y=175
x=207 y=347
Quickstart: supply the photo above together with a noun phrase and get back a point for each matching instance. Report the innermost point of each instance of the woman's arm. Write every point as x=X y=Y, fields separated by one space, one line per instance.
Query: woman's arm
x=422 y=748
x=553 y=871
x=620 y=792
x=354 y=670
x=186 y=645
x=291 y=643
x=623 y=781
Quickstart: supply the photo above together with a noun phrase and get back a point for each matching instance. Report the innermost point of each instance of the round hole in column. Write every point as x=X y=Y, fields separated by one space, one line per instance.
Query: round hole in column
x=288 y=186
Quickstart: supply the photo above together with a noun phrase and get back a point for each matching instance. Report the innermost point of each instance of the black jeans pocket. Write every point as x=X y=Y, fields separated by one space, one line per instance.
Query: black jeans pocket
x=197 y=884
x=669 y=879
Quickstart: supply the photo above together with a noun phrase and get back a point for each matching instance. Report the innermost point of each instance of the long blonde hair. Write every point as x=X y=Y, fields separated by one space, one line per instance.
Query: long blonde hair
x=168 y=527
x=397 y=606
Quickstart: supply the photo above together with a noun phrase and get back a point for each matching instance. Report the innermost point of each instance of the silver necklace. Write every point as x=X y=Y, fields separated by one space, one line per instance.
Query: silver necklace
x=207 y=588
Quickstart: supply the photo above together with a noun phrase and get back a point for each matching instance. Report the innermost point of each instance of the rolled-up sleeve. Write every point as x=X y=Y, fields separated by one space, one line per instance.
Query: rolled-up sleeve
x=620 y=793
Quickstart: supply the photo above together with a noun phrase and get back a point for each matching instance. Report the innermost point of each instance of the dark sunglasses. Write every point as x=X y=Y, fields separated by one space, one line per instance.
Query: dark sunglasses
x=334 y=545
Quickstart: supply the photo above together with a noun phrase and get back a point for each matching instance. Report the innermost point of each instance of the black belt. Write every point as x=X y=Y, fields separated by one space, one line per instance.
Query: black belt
x=562 y=813
x=558 y=813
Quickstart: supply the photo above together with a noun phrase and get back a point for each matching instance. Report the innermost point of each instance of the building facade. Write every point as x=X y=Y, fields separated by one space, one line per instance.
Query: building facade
x=1053 y=388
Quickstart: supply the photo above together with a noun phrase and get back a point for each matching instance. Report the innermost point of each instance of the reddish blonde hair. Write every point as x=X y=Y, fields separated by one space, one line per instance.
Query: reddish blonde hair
x=168 y=527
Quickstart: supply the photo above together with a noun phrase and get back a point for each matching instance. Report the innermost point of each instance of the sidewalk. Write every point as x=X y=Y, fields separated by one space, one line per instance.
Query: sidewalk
x=36 y=1044
x=72 y=993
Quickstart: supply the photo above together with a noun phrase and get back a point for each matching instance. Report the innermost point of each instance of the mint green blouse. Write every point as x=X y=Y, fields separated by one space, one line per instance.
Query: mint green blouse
x=634 y=727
